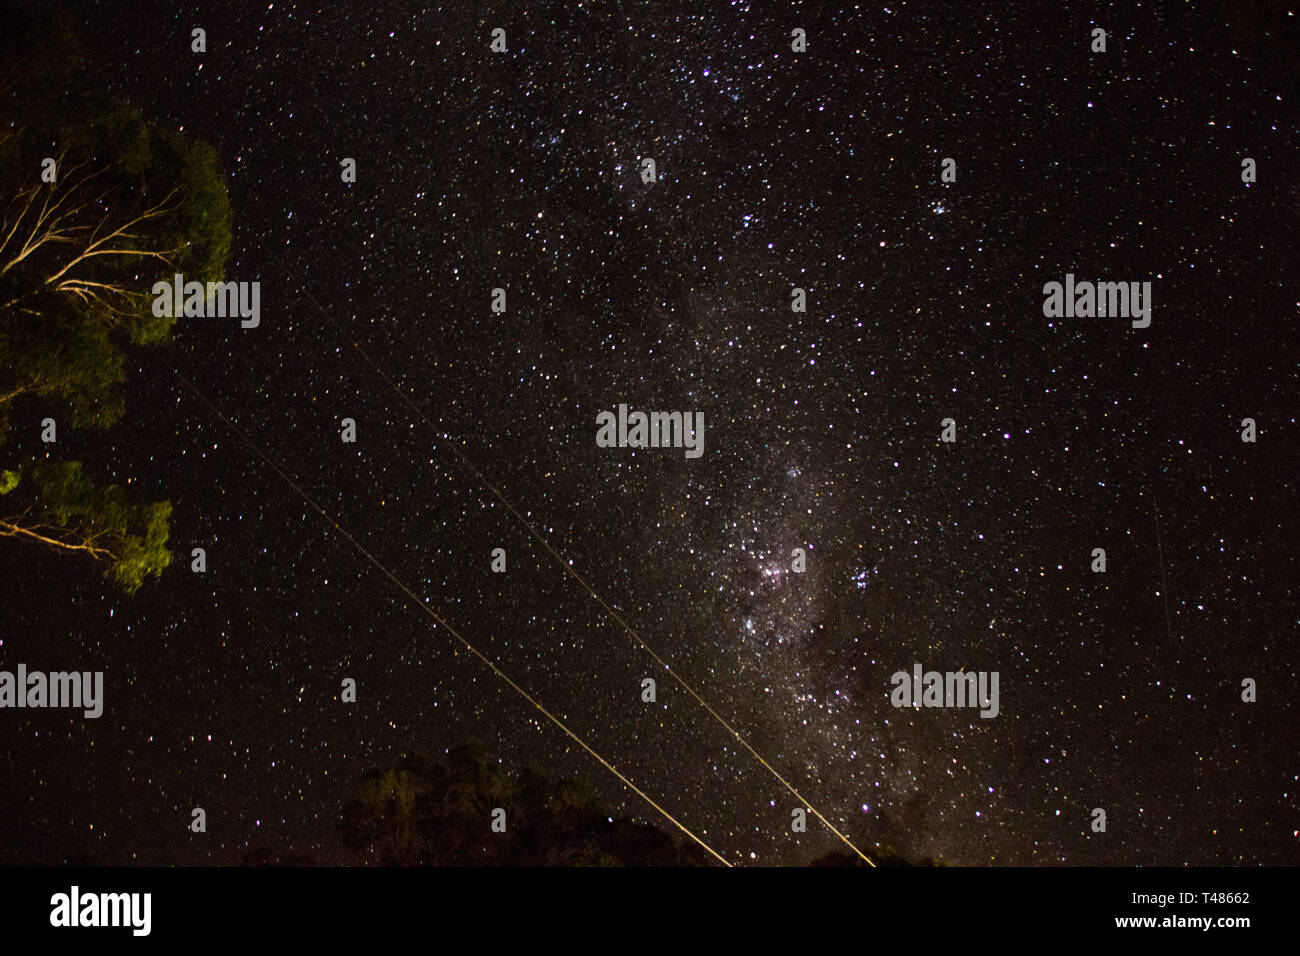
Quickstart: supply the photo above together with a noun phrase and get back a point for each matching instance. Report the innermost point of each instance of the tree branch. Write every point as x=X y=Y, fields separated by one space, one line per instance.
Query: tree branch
x=8 y=529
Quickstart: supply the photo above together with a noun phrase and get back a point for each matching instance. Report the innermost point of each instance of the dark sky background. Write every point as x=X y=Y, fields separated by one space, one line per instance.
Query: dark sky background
x=818 y=170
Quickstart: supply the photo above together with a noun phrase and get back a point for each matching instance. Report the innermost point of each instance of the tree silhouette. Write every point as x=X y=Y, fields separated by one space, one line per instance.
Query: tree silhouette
x=422 y=813
x=884 y=856
x=268 y=856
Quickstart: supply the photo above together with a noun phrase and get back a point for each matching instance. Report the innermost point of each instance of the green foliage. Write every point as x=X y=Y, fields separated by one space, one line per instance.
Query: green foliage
x=66 y=507
x=144 y=555
x=205 y=207
x=109 y=154
x=58 y=355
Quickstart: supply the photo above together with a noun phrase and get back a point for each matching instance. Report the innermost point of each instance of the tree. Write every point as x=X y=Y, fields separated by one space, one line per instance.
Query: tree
x=267 y=855
x=65 y=511
x=437 y=814
x=98 y=205
x=884 y=856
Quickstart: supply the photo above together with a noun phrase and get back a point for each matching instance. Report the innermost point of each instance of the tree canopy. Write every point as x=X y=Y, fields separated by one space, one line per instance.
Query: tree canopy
x=438 y=813
x=98 y=205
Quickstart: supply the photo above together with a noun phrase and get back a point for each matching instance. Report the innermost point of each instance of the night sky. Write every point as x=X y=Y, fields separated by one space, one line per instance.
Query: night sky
x=818 y=170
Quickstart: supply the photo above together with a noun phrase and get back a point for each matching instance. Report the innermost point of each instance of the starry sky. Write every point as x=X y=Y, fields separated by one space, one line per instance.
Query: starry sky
x=818 y=170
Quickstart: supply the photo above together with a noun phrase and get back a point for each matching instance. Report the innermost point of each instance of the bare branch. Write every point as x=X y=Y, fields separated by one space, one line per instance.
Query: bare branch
x=162 y=208
x=37 y=533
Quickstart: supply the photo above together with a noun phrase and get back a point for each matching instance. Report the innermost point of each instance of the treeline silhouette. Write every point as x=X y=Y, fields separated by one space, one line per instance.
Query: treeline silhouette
x=425 y=812
x=440 y=813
